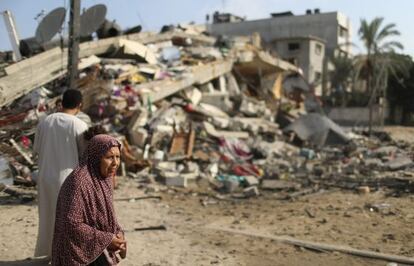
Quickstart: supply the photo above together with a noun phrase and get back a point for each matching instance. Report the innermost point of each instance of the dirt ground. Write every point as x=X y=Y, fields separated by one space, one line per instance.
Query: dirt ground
x=194 y=235
x=401 y=133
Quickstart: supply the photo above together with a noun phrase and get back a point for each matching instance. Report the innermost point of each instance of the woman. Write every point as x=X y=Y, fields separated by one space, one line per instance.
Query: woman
x=86 y=229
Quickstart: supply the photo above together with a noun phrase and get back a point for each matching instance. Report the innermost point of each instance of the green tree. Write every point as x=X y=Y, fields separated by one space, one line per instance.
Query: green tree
x=377 y=64
x=341 y=77
x=400 y=91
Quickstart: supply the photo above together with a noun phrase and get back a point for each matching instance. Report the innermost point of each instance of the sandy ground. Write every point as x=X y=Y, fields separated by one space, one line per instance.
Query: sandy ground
x=192 y=238
x=401 y=133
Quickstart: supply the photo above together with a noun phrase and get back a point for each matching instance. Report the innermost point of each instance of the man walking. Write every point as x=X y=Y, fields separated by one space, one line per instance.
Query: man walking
x=59 y=144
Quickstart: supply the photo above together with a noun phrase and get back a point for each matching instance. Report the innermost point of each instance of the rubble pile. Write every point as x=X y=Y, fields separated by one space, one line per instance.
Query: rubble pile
x=193 y=110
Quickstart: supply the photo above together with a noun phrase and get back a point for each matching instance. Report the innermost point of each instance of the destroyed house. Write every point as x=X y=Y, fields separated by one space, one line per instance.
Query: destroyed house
x=329 y=32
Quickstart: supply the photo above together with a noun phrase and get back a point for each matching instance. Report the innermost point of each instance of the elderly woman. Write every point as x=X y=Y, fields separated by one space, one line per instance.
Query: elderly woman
x=86 y=229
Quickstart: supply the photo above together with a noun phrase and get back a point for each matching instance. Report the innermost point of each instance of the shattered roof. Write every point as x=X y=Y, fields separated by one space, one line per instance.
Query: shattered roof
x=38 y=70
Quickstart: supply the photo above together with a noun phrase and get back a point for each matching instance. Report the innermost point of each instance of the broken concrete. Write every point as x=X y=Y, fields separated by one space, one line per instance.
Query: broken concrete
x=318 y=130
x=223 y=134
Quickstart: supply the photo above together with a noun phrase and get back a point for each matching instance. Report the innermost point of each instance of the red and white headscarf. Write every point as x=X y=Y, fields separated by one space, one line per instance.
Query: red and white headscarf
x=85 y=219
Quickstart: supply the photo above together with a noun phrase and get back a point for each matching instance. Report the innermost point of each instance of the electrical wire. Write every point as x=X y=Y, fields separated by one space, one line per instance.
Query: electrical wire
x=141 y=20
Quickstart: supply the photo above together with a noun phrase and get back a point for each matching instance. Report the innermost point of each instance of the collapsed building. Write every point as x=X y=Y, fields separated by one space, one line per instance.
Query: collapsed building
x=308 y=41
x=190 y=108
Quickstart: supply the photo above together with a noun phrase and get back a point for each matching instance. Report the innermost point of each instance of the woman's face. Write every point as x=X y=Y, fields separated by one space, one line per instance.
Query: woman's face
x=110 y=162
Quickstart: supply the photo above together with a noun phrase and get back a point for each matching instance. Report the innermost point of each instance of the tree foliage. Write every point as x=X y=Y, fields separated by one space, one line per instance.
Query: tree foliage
x=400 y=90
x=378 y=62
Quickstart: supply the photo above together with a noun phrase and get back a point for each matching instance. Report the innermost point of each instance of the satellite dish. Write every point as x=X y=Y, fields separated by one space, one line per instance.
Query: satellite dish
x=50 y=25
x=92 y=19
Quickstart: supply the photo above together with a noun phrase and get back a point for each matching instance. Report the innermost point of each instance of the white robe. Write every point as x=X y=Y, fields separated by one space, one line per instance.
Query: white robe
x=59 y=144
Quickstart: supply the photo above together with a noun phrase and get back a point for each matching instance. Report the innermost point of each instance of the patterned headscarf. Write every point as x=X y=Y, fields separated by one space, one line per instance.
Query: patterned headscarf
x=85 y=219
x=98 y=146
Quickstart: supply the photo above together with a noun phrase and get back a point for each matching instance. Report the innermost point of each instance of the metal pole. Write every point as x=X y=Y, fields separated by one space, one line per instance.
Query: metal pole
x=371 y=110
x=12 y=31
x=73 y=56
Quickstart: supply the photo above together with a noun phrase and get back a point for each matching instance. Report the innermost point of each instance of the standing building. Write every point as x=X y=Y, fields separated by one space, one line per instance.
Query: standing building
x=307 y=40
x=307 y=52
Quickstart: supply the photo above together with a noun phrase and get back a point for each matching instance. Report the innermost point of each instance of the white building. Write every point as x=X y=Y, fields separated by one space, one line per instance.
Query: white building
x=307 y=52
x=310 y=39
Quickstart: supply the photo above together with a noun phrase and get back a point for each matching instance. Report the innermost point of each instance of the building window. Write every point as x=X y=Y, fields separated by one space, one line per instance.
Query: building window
x=343 y=32
x=293 y=46
x=318 y=76
x=318 y=49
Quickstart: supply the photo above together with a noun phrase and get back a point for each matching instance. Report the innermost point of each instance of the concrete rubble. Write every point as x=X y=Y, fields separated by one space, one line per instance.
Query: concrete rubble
x=191 y=111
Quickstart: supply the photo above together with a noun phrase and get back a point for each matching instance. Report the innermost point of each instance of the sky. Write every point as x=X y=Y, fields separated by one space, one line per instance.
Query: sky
x=153 y=14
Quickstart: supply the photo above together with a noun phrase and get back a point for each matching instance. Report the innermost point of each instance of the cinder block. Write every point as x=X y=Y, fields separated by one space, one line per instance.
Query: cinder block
x=252 y=191
x=138 y=137
x=176 y=181
x=251 y=180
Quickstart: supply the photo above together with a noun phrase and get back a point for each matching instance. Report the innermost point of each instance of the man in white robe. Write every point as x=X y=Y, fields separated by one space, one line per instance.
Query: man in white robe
x=59 y=144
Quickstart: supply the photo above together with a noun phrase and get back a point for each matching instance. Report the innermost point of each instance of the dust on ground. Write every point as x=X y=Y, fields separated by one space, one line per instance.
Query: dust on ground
x=192 y=238
x=400 y=133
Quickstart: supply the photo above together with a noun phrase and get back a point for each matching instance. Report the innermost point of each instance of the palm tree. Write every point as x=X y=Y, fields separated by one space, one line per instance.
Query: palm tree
x=377 y=62
x=341 y=76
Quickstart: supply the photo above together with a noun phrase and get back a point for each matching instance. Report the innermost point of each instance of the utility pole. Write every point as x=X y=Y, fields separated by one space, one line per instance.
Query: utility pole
x=73 y=52
x=12 y=31
x=371 y=110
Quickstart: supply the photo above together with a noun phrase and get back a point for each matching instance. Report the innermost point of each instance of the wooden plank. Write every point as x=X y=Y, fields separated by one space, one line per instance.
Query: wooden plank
x=321 y=246
x=16 y=192
x=190 y=143
x=24 y=154
x=178 y=145
x=277 y=86
x=182 y=145
x=151 y=228
x=133 y=199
